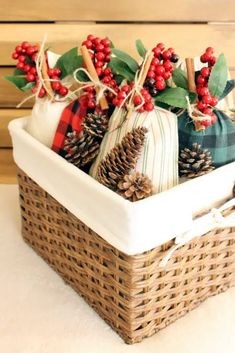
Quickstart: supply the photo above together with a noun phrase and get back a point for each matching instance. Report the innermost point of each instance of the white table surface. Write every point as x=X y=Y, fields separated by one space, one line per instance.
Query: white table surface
x=40 y=314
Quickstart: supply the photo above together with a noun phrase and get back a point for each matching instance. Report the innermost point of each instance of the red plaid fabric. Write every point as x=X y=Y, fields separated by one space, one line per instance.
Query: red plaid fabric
x=71 y=120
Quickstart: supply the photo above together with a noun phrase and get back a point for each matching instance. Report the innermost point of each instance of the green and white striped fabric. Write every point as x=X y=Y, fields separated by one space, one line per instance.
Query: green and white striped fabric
x=159 y=158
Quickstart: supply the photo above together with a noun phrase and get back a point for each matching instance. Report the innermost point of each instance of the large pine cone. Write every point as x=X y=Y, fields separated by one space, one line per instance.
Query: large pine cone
x=195 y=162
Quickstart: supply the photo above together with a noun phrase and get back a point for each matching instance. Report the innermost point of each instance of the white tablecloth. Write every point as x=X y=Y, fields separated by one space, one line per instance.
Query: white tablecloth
x=40 y=314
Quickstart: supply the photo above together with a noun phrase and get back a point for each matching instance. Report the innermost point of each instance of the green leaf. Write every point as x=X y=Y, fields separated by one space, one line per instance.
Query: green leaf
x=19 y=82
x=230 y=85
x=69 y=62
x=121 y=68
x=175 y=97
x=19 y=72
x=127 y=59
x=218 y=77
x=81 y=76
x=140 y=48
x=28 y=86
x=180 y=79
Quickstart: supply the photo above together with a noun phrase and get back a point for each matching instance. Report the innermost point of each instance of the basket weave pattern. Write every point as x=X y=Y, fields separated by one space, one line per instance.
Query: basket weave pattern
x=131 y=293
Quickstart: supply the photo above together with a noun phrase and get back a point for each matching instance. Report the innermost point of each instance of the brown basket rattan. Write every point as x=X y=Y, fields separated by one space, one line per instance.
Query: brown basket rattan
x=131 y=293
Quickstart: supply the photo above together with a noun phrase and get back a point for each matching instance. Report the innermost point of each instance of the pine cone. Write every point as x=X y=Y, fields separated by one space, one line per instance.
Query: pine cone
x=135 y=187
x=195 y=162
x=96 y=124
x=81 y=148
x=122 y=158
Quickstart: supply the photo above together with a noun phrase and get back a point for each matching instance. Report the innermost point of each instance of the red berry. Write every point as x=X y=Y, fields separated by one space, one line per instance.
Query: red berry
x=107 y=71
x=113 y=83
x=205 y=72
x=33 y=57
x=201 y=106
x=160 y=85
x=161 y=46
x=121 y=95
x=18 y=49
x=99 y=64
x=15 y=55
x=111 y=96
x=90 y=37
x=63 y=91
x=90 y=95
x=28 y=68
x=22 y=58
x=149 y=106
x=99 y=71
x=168 y=66
x=105 y=42
x=206 y=99
x=20 y=65
x=160 y=78
x=125 y=88
x=151 y=74
x=210 y=50
x=92 y=55
x=208 y=111
x=99 y=47
x=30 y=50
x=100 y=56
x=25 y=45
x=171 y=50
x=212 y=61
x=157 y=52
x=88 y=44
x=30 y=77
x=144 y=92
x=203 y=58
x=106 y=79
x=141 y=109
x=160 y=70
x=90 y=89
x=148 y=98
x=201 y=80
x=107 y=50
x=206 y=122
x=204 y=91
x=34 y=89
x=214 y=101
x=166 y=55
x=107 y=58
x=137 y=100
x=57 y=71
x=50 y=72
x=42 y=92
x=96 y=41
x=166 y=75
x=91 y=104
x=115 y=101
x=56 y=85
x=155 y=62
x=207 y=56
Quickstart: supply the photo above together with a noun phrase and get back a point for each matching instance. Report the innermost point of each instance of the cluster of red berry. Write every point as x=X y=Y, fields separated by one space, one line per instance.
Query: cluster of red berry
x=26 y=53
x=206 y=101
x=100 y=53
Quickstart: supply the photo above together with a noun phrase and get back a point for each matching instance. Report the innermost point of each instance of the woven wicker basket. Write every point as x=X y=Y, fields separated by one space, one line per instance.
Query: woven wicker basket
x=132 y=294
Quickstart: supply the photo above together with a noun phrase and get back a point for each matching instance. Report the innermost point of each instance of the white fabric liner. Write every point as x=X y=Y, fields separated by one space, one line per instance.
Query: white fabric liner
x=130 y=227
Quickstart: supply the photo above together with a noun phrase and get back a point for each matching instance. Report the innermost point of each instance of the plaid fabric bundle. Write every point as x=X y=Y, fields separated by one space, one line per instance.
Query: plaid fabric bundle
x=219 y=138
x=71 y=120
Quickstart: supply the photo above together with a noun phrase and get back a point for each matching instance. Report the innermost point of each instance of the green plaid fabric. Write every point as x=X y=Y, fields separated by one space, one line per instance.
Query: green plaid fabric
x=219 y=138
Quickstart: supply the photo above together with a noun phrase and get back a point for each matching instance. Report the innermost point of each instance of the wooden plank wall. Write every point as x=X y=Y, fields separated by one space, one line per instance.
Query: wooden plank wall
x=189 y=27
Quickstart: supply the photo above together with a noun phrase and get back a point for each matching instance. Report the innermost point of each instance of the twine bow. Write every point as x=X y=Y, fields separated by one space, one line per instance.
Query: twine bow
x=214 y=219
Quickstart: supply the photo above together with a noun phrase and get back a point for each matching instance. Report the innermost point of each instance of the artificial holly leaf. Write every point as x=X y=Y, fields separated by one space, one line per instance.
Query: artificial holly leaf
x=69 y=62
x=19 y=72
x=28 y=86
x=18 y=81
x=180 y=79
x=175 y=97
x=218 y=77
x=81 y=76
x=119 y=67
x=127 y=59
x=230 y=85
x=140 y=48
